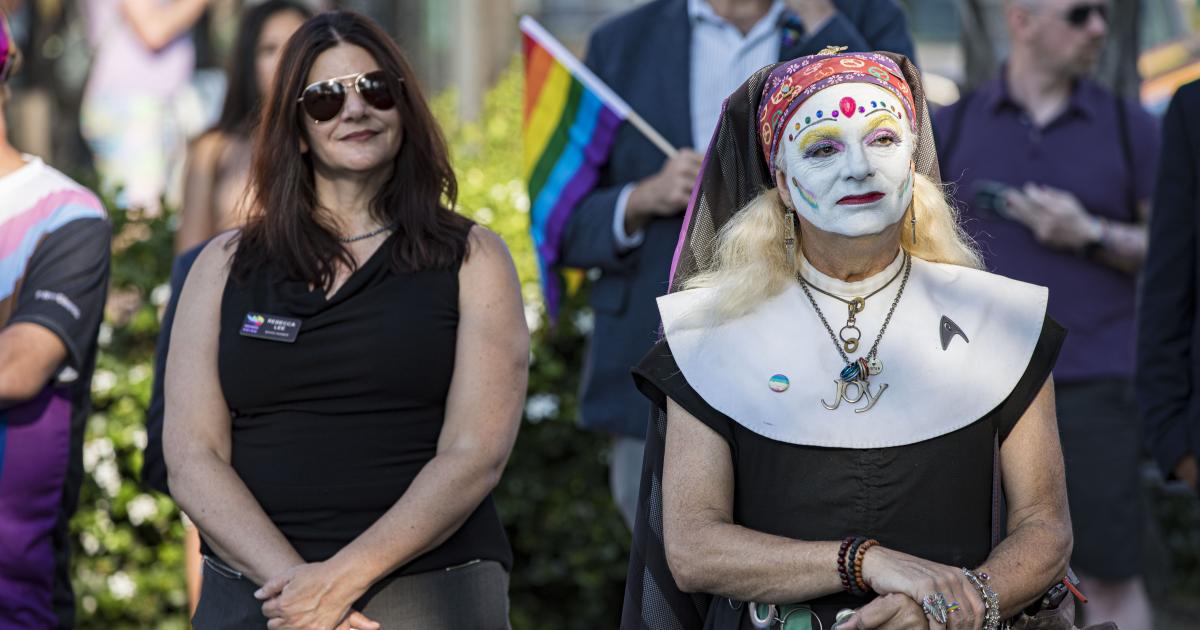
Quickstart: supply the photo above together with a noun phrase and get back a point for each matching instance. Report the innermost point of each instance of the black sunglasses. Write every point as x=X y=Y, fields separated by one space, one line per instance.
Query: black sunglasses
x=1079 y=15
x=324 y=99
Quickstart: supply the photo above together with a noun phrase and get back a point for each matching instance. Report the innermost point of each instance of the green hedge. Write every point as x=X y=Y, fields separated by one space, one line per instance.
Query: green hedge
x=570 y=544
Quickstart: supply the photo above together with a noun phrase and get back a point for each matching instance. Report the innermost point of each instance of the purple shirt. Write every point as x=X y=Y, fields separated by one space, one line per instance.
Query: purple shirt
x=1080 y=151
x=54 y=252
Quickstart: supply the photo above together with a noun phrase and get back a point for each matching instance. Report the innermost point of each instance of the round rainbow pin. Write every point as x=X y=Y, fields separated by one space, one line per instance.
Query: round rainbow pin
x=778 y=383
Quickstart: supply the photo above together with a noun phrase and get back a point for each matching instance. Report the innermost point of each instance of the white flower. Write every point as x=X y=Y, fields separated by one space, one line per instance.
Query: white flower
x=533 y=317
x=139 y=438
x=541 y=407
x=141 y=508
x=104 y=337
x=108 y=477
x=584 y=321
x=485 y=215
x=91 y=544
x=96 y=451
x=104 y=523
x=160 y=294
x=121 y=585
x=103 y=381
x=89 y=604
x=139 y=373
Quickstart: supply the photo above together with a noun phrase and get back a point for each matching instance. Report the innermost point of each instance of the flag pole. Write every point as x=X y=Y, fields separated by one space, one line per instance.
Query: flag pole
x=531 y=27
x=651 y=134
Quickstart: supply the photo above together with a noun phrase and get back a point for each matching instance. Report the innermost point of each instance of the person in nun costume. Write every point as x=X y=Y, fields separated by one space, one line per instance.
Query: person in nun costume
x=840 y=387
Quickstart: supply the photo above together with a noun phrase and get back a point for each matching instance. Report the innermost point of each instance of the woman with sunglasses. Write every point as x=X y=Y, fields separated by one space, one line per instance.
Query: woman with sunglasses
x=348 y=371
x=218 y=161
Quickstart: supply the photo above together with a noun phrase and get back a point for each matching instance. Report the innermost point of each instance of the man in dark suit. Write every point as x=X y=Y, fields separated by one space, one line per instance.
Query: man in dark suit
x=674 y=61
x=1168 y=325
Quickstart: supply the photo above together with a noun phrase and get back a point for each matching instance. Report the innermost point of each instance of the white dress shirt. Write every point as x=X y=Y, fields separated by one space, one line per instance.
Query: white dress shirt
x=721 y=60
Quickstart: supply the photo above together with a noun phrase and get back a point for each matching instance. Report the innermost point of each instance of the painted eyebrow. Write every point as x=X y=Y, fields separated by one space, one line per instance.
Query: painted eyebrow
x=879 y=121
x=817 y=135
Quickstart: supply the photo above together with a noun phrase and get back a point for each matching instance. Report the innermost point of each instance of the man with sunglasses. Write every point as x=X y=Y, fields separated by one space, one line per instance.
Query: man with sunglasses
x=54 y=252
x=1055 y=174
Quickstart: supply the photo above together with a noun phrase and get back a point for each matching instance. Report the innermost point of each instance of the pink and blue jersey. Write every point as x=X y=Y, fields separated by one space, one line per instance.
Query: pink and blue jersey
x=54 y=254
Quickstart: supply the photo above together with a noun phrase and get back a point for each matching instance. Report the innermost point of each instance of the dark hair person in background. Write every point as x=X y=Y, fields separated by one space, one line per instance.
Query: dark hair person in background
x=347 y=373
x=1167 y=317
x=215 y=182
x=218 y=162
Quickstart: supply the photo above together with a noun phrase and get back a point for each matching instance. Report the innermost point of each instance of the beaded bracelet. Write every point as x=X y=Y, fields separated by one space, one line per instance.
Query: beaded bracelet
x=991 y=601
x=841 y=561
x=850 y=571
x=858 y=560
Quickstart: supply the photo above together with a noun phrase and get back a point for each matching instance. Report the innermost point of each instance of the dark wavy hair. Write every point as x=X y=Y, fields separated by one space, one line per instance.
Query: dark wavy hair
x=287 y=232
x=242 y=100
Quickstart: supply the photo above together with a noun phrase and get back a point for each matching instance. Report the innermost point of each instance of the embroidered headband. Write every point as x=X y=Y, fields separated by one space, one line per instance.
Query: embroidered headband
x=8 y=50
x=790 y=84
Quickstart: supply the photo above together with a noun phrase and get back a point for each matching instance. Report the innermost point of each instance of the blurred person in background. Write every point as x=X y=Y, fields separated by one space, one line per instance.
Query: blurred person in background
x=674 y=61
x=1056 y=173
x=214 y=186
x=142 y=63
x=1167 y=326
x=219 y=161
x=54 y=253
x=347 y=371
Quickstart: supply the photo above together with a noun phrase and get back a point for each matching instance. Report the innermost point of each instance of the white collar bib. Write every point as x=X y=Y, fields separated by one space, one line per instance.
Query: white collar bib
x=850 y=290
x=930 y=391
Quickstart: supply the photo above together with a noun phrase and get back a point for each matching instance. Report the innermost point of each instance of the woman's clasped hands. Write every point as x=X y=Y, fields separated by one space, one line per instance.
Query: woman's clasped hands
x=903 y=583
x=314 y=596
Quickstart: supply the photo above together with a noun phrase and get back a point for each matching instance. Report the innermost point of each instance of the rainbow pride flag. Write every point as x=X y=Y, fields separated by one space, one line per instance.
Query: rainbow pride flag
x=571 y=118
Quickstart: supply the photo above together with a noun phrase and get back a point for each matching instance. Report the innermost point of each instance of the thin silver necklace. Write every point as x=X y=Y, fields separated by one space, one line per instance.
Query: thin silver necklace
x=850 y=333
x=859 y=303
x=859 y=370
x=377 y=231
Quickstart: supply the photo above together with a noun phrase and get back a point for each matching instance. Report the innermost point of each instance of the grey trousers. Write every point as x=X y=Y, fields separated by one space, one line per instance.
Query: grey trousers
x=473 y=595
x=625 y=475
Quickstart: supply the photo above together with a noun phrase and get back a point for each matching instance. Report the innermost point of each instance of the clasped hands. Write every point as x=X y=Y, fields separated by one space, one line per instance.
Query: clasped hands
x=902 y=582
x=1056 y=217
x=314 y=596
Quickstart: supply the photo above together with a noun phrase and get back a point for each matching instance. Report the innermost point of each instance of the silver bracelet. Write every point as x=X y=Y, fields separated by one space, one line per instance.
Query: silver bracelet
x=991 y=601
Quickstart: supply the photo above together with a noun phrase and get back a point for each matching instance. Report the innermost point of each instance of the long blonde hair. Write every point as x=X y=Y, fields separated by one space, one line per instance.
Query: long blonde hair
x=751 y=264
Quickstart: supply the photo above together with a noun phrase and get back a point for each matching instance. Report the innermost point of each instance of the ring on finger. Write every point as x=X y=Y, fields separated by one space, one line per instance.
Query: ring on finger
x=935 y=606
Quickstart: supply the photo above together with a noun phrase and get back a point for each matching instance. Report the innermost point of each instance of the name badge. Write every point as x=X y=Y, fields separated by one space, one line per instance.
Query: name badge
x=270 y=327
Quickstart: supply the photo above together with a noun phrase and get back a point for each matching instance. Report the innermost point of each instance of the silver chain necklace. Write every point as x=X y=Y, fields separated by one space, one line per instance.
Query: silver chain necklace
x=377 y=231
x=859 y=303
x=856 y=372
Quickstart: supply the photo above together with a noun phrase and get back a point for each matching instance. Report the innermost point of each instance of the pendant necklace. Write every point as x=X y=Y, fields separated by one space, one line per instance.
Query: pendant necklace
x=850 y=334
x=857 y=372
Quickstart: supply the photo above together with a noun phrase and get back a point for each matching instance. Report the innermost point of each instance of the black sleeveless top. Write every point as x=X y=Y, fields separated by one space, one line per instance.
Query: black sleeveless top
x=329 y=431
x=932 y=499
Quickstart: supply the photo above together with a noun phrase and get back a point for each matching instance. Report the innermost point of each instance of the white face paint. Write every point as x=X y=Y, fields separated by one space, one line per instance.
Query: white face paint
x=848 y=154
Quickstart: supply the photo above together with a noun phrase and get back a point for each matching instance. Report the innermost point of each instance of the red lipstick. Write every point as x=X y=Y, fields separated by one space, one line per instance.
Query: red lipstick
x=857 y=200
